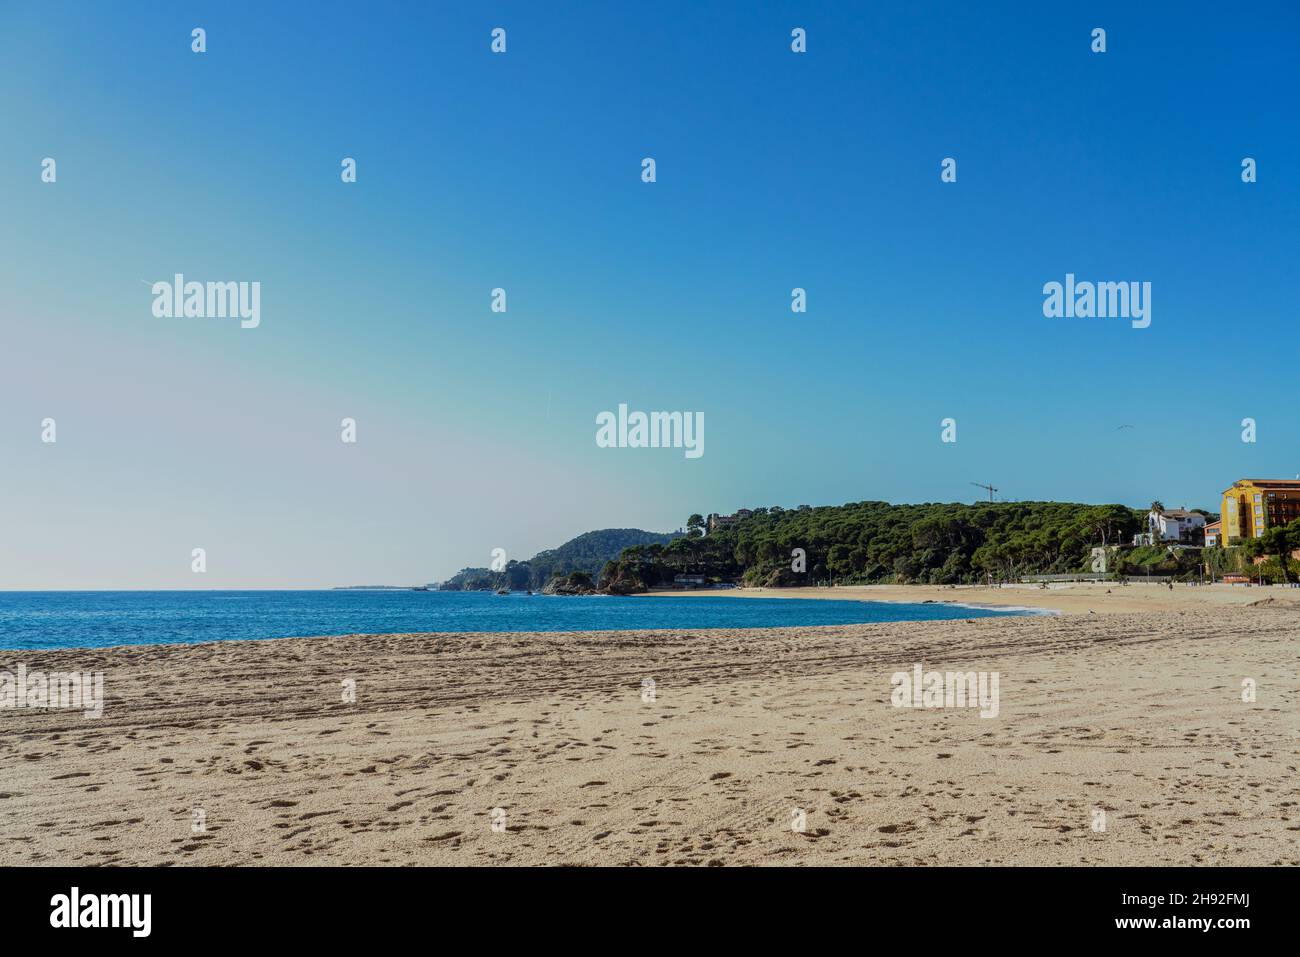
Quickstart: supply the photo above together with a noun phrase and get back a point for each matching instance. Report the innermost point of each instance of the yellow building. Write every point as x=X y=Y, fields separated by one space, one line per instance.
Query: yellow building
x=1253 y=505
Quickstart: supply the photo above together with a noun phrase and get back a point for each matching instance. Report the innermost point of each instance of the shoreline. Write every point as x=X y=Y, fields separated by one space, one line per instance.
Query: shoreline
x=1072 y=599
x=363 y=628
x=1063 y=598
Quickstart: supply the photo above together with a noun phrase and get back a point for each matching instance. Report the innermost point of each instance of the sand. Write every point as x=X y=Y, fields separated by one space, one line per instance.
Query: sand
x=1137 y=713
x=1070 y=598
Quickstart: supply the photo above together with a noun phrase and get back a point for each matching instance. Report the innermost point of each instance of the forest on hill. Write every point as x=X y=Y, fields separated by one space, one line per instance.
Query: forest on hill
x=937 y=544
x=583 y=556
x=874 y=542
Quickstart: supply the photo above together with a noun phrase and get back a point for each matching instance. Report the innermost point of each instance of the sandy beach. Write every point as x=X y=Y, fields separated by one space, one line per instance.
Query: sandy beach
x=1128 y=703
x=1068 y=598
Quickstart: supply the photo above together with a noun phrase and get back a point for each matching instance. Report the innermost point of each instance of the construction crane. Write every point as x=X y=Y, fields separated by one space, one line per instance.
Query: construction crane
x=989 y=487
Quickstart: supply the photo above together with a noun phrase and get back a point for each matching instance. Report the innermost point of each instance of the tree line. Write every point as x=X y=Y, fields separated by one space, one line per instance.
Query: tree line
x=875 y=542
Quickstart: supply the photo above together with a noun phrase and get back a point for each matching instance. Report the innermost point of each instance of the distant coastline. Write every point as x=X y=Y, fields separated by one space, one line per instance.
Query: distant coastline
x=379 y=588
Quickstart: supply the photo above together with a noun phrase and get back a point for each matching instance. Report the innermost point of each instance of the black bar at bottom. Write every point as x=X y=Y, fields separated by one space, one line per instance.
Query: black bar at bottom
x=332 y=906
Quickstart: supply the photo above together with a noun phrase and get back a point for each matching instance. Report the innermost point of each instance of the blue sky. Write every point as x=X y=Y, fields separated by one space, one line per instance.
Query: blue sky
x=775 y=170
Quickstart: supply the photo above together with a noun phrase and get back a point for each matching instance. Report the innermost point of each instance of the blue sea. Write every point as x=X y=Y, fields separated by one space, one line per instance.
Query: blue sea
x=100 y=619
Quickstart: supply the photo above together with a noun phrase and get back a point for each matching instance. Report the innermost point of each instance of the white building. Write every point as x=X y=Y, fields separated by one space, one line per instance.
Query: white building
x=1174 y=525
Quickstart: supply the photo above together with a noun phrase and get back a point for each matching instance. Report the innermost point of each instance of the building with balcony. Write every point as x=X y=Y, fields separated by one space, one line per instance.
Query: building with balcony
x=1252 y=506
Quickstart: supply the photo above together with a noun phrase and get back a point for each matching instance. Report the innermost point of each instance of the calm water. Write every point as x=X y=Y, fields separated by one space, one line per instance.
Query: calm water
x=99 y=619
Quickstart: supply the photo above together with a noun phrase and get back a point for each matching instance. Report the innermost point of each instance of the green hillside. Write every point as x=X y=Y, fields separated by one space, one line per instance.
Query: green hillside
x=869 y=542
x=588 y=553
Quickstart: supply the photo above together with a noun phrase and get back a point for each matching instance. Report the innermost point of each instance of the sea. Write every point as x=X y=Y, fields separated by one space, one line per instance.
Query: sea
x=100 y=619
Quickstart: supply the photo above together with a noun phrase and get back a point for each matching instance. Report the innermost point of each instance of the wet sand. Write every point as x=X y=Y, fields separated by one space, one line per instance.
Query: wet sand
x=1070 y=598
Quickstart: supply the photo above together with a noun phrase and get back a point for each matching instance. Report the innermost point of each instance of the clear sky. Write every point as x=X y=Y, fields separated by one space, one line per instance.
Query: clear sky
x=523 y=171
